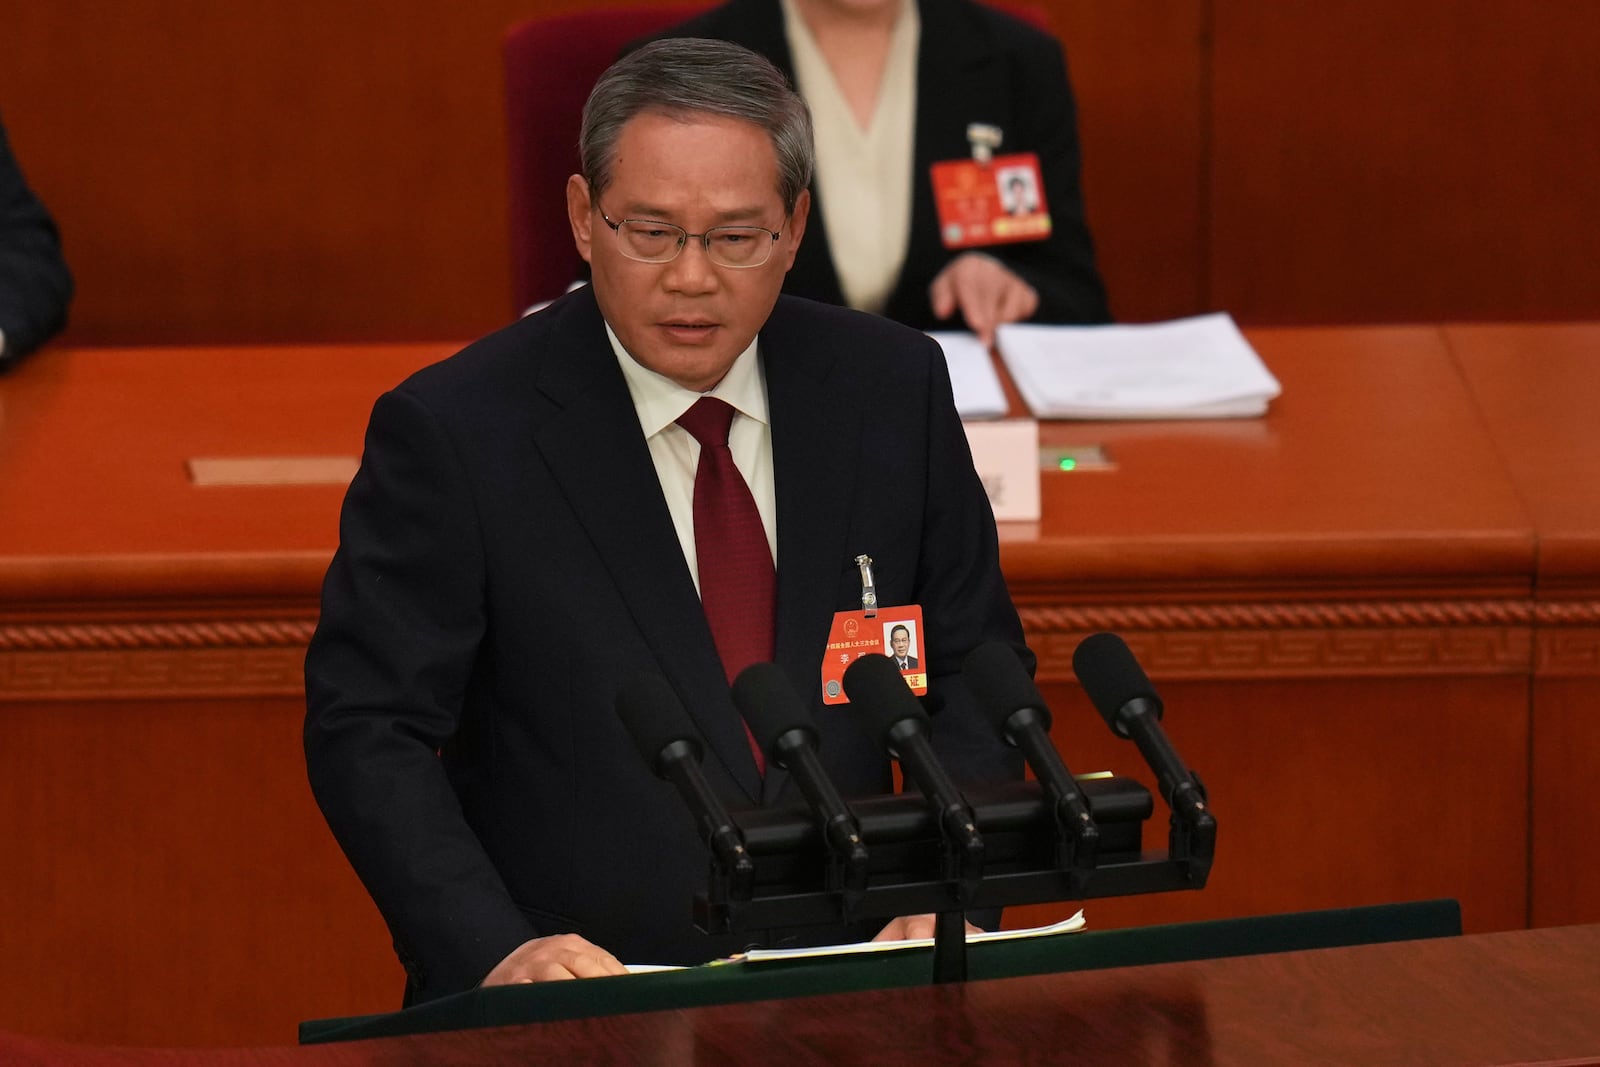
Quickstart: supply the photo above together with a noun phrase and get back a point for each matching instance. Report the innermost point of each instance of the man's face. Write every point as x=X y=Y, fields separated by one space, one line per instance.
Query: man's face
x=687 y=319
x=901 y=640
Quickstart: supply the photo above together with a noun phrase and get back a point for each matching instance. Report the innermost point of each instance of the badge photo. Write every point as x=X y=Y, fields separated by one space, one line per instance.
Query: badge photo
x=895 y=632
x=998 y=201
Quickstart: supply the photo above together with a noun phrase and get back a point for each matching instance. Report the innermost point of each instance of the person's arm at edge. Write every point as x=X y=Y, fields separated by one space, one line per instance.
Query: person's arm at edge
x=963 y=595
x=1060 y=270
x=35 y=284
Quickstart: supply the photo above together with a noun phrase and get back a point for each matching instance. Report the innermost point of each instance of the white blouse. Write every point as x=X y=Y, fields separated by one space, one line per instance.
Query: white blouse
x=864 y=179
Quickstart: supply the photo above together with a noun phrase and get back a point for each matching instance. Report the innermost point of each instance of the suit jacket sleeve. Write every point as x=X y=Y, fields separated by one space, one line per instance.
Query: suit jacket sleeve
x=403 y=613
x=964 y=598
x=35 y=284
x=1062 y=267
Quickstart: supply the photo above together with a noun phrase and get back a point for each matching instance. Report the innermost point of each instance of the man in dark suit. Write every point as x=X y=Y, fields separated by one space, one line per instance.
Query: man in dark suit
x=35 y=285
x=900 y=648
x=974 y=66
x=522 y=540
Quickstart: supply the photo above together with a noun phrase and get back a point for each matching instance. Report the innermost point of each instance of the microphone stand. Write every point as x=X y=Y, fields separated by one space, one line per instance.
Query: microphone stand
x=949 y=946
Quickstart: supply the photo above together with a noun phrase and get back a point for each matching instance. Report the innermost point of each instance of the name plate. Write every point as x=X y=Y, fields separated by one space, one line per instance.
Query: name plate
x=1006 y=454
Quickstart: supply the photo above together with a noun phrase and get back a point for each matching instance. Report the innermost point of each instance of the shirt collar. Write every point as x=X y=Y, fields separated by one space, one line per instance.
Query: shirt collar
x=659 y=400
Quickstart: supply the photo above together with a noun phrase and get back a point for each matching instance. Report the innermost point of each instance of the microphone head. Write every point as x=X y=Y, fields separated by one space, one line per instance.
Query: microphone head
x=655 y=718
x=770 y=707
x=1112 y=678
x=879 y=692
x=1001 y=685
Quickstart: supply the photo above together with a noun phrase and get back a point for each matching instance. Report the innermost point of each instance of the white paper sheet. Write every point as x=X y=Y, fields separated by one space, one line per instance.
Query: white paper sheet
x=1195 y=368
x=972 y=375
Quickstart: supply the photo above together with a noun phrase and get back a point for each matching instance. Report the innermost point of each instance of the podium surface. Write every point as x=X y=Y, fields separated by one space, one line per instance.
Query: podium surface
x=1517 y=997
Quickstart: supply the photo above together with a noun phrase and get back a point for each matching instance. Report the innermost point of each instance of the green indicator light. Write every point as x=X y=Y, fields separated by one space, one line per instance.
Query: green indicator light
x=1067 y=463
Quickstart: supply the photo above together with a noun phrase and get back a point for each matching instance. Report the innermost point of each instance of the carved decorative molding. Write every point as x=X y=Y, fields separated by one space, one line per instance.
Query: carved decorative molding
x=73 y=636
x=182 y=659
x=152 y=672
x=1331 y=638
x=1568 y=652
x=1314 y=615
x=1569 y=612
x=1245 y=654
x=71 y=660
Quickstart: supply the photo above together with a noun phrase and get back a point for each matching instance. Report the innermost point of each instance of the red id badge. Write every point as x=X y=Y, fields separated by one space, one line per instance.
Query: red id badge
x=893 y=632
x=998 y=202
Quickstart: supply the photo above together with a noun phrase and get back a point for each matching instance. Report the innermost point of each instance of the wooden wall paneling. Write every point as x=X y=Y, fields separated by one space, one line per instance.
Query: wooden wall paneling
x=169 y=879
x=303 y=171
x=1405 y=162
x=1566 y=744
x=1137 y=74
x=308 y=171
x=293 y=171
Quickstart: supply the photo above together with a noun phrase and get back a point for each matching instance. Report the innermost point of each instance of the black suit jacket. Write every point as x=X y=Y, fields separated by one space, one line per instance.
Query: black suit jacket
x=35 y=284
x=507 y=562
x=974 y=64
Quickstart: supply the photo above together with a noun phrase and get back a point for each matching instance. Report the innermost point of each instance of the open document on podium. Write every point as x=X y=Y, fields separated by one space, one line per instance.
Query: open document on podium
x=760 y=955
x=1070 y=925
x=1195 y=368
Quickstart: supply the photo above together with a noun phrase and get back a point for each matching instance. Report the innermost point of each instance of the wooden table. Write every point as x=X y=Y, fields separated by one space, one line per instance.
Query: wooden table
x=1538 y=389
x=1342 y=604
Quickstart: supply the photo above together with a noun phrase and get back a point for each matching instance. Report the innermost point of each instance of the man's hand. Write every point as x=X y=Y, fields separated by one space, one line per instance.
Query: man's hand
x=550 y=959
x=985 y=291
x=913 y=928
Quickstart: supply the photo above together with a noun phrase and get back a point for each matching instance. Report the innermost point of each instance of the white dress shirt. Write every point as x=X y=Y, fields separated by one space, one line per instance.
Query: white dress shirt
x=658 y=401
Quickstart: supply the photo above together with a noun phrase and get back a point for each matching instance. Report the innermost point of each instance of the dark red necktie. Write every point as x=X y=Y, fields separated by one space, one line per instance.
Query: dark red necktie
x=738 y=586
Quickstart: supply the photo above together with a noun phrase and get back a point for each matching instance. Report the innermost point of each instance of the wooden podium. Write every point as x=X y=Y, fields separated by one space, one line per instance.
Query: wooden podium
x=1518 y=997
x=740 y=983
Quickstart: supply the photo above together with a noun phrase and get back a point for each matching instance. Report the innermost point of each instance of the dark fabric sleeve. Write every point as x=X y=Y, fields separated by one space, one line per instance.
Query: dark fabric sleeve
x=35 y=285
x=1062 y=267
x=964 y=598
x=402 y=619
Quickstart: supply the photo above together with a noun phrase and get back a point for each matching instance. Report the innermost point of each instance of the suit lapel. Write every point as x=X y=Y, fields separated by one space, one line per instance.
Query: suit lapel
x=813 y=455
x=595 y=451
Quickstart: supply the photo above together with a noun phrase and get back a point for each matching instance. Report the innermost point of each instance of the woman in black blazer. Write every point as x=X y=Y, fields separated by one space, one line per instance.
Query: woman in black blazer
x=973 y=65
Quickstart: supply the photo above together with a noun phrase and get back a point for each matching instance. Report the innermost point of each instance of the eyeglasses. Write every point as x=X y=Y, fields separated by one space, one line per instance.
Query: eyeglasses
x=738 y=247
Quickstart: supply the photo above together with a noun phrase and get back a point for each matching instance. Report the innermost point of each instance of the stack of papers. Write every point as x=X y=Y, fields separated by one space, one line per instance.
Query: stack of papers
x=972 y=377
x=1196 y=368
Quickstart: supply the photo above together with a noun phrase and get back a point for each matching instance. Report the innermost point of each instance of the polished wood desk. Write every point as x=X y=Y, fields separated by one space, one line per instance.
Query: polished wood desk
x=1519 y=997
x=1538 y=389
x=1338 y=602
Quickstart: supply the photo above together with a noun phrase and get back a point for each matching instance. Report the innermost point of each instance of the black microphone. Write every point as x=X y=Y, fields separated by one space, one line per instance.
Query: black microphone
x=1005 y=691
x=787 y=735
x=893 y=713
x=1128 y=702
x=666 y=738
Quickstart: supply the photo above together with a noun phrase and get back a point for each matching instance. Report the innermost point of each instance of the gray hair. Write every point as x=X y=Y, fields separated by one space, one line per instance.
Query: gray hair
x=685 y=76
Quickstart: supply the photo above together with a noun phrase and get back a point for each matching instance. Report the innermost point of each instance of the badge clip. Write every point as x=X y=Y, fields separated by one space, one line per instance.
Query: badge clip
x=984 y=139
x=869 y=593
